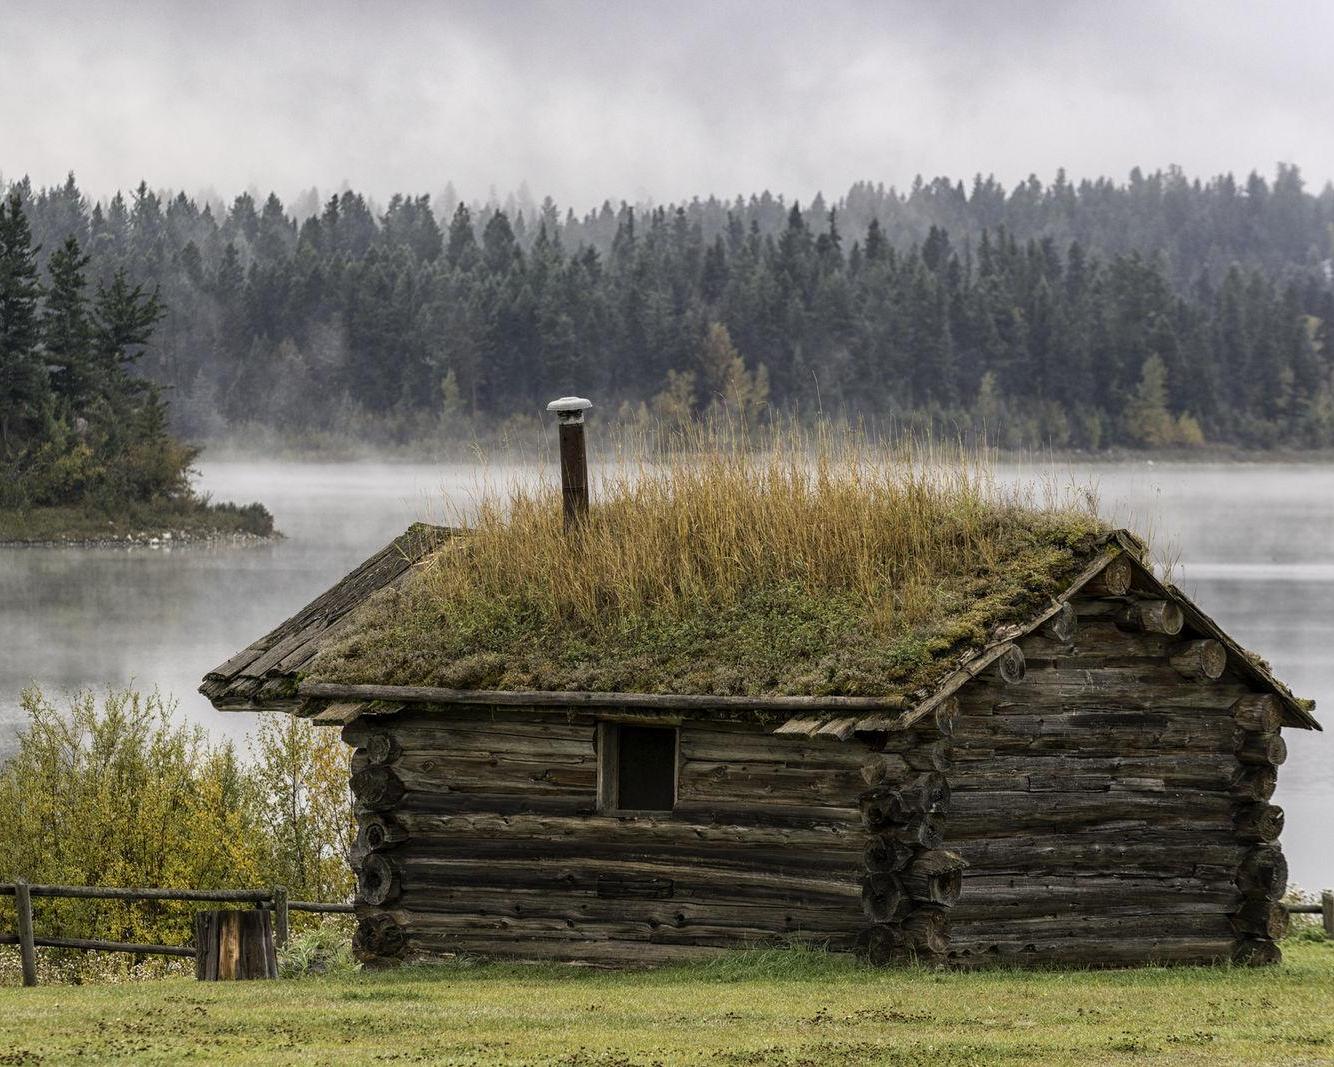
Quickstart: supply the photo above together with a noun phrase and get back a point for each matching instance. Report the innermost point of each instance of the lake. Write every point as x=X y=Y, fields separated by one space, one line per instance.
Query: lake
x=1256 y=544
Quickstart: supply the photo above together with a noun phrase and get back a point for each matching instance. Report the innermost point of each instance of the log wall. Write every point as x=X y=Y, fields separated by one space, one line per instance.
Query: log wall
x=1097 y=796
x=479 y=833
x=1111 y=804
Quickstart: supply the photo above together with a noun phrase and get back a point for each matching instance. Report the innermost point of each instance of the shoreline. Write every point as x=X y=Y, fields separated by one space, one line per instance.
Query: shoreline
x=196 y=522
x=153 y=542
x=352 y=453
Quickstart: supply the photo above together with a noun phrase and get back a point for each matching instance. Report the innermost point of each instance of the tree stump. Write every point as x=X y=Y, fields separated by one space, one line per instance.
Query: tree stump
x=233 y=945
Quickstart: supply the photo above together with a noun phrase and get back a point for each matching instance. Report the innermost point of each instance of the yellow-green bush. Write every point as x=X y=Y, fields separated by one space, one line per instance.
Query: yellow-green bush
x=119 y=792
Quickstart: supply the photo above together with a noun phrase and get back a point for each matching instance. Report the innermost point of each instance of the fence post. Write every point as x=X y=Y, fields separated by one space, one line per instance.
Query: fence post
x=280 y=915
x=1327 y=911
x=23 y=900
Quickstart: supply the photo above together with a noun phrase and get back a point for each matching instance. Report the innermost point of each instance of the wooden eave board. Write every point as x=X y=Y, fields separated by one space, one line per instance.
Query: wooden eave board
x=262 y=676
x=1122 y=542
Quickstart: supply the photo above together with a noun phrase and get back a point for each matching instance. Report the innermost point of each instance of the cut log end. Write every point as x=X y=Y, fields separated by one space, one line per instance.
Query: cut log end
x=378 y=937
x=926 y=932
x=884 y=854
x=1254 y=783
x=1260 y=713
x=1113 y=580
x=1154 y=617
x=946 y=716
x=1062 y=626
x=378 y=832
x=883 y=898
x=881 y=944
x=1011 y=666
x=1264 y=750
x=1264 y=873
x=1256 y=952
x=1201 y=661
x=377 y=881
x=382 y=748
x=1259 y=822
x=376 y=788
x=1267 y=919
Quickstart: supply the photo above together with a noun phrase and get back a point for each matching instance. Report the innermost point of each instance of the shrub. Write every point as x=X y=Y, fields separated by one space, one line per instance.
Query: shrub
x=118 y=792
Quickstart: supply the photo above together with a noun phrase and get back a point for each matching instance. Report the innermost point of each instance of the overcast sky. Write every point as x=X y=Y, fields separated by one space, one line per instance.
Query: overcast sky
x=655 y=100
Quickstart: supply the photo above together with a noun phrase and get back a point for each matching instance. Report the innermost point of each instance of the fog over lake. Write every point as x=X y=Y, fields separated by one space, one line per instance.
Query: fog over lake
x=1256 y=544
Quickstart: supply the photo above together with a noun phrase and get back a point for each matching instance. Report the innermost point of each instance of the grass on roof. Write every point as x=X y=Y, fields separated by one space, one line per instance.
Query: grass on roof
x=789 y=563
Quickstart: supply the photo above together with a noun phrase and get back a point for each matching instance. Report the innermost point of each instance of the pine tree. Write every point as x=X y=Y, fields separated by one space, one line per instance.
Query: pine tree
x=25 y=395
x=66 y=330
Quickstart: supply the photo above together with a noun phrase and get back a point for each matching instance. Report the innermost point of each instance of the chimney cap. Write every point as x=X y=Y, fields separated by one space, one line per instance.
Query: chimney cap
x=570 y=408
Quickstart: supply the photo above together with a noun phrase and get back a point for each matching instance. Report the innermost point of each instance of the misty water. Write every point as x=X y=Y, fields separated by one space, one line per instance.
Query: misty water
x=1255 y=541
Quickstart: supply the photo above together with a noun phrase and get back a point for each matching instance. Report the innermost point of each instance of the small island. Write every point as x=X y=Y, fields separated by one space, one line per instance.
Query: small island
x=86 y=453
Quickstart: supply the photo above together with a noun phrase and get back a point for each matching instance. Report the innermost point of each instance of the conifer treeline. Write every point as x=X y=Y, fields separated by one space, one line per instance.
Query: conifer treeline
x=1160 y=311
x=76 y=425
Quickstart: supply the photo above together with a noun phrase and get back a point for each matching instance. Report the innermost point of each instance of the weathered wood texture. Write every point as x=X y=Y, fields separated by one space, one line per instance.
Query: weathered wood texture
x=479 y=832
x=1110 y=805
x=264 y=675
x=1099 y=797
x=233 y=945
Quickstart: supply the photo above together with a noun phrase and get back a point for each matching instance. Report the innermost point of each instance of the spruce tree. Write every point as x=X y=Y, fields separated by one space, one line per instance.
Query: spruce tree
x=66 y=329
x=25 y=394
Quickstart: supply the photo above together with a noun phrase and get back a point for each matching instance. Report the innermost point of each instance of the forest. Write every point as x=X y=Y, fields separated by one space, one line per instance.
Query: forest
x=1158 y=312
x=86 y=450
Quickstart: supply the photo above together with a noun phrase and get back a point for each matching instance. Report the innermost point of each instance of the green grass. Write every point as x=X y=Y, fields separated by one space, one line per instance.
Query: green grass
x=774 y=1007
x=793 y=564
x=184 y=520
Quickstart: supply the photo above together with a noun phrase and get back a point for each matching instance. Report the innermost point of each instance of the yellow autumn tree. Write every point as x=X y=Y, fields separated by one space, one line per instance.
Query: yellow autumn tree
x=727 y=381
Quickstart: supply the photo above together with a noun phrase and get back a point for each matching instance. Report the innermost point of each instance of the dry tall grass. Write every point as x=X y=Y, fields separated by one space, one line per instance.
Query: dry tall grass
x=710 y=512
x=725 y=561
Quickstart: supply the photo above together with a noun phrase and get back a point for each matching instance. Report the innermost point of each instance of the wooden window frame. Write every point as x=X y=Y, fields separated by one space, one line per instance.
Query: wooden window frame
x=608 y=756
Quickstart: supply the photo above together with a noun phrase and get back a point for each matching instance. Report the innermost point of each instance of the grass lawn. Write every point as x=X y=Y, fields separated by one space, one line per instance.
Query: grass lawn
x=759 y=1008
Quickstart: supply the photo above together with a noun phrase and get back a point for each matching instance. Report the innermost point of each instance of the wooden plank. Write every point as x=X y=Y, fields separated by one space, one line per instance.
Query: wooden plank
x=23 y=899
x=578 y=698
x=96 y=892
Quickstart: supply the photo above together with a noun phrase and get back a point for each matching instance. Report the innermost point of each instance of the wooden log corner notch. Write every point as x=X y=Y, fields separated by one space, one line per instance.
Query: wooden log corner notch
x=378 y=832
x=1011 y=666
x=934 y=876
x=378 y=937
x=1200 y=661
x=376 y=788
x=1113 y=580
x=1153 y=617
x=377 y=881
x=1260 y=713
x=1063 y=625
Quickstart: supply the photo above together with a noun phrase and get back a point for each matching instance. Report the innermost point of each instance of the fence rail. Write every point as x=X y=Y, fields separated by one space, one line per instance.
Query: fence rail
x=274 y=899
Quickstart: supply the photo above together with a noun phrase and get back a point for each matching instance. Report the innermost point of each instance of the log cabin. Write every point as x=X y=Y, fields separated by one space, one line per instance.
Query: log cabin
x=1088 y=785
x=1091 y=787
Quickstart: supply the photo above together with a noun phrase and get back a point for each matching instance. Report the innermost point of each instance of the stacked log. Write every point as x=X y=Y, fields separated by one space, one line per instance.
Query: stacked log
x=376 y=789
x=909 y=880
x=1111 y=806
x=1262 y=877
x=479 y=832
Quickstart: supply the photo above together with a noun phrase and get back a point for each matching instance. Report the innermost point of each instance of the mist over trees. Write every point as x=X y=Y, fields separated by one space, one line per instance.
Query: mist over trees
x=1156 y=312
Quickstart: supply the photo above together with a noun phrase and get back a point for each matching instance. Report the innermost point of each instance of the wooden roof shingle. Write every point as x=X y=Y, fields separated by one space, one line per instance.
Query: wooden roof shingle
x=263 y=676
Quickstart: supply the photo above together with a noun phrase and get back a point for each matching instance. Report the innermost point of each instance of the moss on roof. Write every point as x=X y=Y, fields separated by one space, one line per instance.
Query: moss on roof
x=737 y=574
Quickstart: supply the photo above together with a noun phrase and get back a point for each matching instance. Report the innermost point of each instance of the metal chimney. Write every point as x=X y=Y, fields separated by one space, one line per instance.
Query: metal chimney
x=573 y=456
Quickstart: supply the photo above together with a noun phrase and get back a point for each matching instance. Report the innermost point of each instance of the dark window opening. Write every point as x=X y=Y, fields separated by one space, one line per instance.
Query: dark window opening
x=645 y=771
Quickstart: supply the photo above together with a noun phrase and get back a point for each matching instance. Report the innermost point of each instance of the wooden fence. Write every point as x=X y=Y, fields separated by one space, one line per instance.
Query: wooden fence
x=1325 y=909
x=274 y=898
